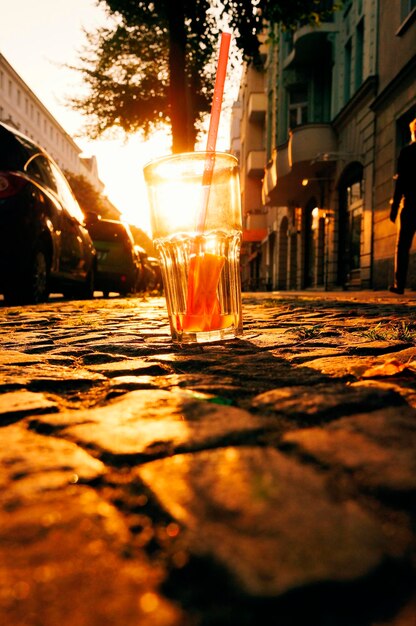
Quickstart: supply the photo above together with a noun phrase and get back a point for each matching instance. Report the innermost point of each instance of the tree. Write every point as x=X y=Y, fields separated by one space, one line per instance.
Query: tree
x=156 y=63
x=89 y=199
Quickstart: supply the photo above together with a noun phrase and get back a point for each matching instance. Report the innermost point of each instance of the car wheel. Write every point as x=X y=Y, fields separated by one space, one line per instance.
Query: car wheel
x=39 y=290
x=33 y=286
x=87 y=291
x=83 y=291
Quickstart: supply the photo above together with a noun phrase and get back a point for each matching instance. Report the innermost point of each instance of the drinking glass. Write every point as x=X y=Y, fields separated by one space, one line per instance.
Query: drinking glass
x=195 y=212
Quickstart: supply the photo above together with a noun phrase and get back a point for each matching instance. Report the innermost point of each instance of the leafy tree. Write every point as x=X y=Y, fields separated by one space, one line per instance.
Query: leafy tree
x=157 y=62
x=89 y=199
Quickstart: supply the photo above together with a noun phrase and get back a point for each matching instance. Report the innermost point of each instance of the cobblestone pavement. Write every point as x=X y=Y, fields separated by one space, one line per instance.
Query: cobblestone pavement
x=266 y=481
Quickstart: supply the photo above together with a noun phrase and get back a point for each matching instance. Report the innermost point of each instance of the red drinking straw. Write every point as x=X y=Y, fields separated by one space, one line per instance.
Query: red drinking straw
x=203 y=307
x=218 y=91
x=214 y=124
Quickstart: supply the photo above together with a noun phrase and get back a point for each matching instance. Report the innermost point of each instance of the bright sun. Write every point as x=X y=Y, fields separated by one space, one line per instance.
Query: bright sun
x=120 y=167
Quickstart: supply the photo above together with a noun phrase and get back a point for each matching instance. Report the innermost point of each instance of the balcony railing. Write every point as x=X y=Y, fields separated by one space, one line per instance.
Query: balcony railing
x=257 y=107
x=294 y=160
x=310 y=45
x=308 y=141
x=256 y=161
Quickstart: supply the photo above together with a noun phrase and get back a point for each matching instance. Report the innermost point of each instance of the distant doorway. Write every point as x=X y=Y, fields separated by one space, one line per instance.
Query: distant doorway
x=271 y=279
x=309 y=247
x=283 y=247
x=351 y=203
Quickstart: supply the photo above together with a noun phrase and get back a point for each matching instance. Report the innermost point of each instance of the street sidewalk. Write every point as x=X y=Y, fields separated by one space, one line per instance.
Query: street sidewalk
x=265 y=481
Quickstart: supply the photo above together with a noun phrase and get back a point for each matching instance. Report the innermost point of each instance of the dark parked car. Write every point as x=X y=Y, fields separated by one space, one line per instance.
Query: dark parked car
x=44 y=243
x=150 y=278
x=118 y=267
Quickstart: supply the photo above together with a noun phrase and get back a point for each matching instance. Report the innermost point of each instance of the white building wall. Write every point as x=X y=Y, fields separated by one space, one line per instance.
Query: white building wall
x=22 y=109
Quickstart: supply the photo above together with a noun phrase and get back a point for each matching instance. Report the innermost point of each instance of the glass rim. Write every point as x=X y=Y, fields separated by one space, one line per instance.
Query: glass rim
x=187 y=155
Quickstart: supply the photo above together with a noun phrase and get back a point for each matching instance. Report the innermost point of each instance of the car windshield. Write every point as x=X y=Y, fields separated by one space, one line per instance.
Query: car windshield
x=105 y=231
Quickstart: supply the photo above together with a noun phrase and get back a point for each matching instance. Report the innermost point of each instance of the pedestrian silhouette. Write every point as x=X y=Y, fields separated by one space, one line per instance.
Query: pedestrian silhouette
x=404 y=198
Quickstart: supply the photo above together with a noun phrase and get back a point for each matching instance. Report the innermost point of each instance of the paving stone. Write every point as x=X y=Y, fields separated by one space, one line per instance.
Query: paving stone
x=348 y=368
x=14 y=357
x=62 y=561
x=93 y=358
x=252 y=375
x=267 y=519
x=26 y=374
x=17 y=404
x=381 y=347
x=147 y=424
x=328 y=401
x=303 y=354
x=377 y=448
x=132 y=366
x=31 y=463
x=260 y=480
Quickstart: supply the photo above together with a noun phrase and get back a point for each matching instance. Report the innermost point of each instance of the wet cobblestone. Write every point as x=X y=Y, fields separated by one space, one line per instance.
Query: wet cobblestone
x=265 y=481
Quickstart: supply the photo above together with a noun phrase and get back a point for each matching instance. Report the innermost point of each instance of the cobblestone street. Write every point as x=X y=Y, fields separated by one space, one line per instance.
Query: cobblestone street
x=265 y=481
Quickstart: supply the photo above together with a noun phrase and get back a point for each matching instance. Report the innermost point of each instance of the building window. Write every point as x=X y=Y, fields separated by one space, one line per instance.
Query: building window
x=407 y=16
x=406 y=7
x=347 y=70
x=298 y=107
x=1 y=79
x=288 y=42
x=359 y=53
x=403 y=130
x=354 y=192
x=18 y=97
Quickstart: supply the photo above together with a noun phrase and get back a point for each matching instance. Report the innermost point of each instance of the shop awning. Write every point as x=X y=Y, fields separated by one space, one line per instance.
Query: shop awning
x=254 y=234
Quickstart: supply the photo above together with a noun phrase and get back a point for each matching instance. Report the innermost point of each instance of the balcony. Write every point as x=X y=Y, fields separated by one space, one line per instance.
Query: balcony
x=256 y=161
x=269 y=180
x=276 y=171
x=257 y=104
x=310 y=45
x=295 y=160
x=282 y=160
x=308 y=141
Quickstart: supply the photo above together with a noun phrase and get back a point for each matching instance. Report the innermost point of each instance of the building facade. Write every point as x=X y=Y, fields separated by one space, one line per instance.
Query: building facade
x=336 y=101
x=394 y=108
x=20 y=108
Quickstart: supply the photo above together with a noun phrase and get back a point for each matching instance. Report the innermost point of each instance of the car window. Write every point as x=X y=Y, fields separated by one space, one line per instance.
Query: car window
x=110 y=231
x=38 y=167
x=65 y=193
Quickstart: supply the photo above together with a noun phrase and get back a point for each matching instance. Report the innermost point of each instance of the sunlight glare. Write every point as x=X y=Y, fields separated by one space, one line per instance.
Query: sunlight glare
x=121 y=168
x=181 y=200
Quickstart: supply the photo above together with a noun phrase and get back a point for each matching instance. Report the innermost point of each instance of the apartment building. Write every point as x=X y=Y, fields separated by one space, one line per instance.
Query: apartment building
x=394 y=108
x=22 y=109
x=337 y=99
x=249 y=117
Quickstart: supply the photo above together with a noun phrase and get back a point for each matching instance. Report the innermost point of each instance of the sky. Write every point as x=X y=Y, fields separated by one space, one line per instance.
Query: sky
x=39 y=38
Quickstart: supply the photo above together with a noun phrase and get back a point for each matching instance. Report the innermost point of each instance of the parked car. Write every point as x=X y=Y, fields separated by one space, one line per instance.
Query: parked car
x=150 y=278
x=44 y=243
x=118 y=268
x=157 y=284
